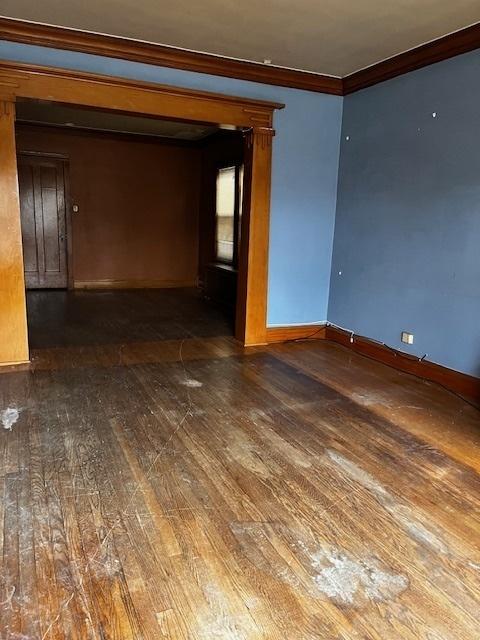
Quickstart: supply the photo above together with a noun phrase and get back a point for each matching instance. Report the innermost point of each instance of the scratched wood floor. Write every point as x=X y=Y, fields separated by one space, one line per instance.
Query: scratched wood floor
x=180 y=487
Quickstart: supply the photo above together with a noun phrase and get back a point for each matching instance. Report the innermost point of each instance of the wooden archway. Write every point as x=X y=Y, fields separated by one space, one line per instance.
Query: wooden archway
x=104 y=92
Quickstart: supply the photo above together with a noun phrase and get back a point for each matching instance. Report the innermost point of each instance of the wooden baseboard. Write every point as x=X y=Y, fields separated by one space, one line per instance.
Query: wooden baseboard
x=461 y=383
x=133 y=284
x=299 y=332
x=22 y=365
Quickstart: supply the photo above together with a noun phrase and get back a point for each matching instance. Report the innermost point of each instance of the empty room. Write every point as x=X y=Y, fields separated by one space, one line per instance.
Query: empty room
x=239 y=320
x=111 y=208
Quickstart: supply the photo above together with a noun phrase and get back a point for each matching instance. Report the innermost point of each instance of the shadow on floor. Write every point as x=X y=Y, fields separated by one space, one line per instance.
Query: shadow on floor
x=60 y=318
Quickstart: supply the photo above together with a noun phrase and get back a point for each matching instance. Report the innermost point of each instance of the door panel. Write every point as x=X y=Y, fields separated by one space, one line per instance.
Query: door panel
x=27 y=207
x=42 y=206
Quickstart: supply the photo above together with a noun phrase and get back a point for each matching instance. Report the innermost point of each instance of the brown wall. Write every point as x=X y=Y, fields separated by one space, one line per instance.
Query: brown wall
x=138 y=205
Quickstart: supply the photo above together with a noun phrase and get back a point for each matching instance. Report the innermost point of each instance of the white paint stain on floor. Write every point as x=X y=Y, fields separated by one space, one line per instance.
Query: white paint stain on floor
x=9 y=417
x=345 y=579
x=191 y=383
x=319 y=570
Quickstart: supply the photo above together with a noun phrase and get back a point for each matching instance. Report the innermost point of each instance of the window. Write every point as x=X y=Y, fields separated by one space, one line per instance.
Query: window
x=225 y=214
x=240 y=175
x=229 y=195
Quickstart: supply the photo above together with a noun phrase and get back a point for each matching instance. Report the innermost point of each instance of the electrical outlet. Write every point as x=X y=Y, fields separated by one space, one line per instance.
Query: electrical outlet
x=407 y=337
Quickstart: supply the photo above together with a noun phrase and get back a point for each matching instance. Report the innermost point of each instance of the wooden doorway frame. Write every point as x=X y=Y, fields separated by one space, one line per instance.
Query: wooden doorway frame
x=104 y=92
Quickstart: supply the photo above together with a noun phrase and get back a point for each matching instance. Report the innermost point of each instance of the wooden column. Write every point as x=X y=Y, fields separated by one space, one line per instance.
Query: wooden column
x=13 y=320
x=251 y=321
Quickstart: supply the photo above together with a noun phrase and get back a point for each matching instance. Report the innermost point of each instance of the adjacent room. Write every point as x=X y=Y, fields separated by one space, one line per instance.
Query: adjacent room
x=239 y=321
x=130 y=226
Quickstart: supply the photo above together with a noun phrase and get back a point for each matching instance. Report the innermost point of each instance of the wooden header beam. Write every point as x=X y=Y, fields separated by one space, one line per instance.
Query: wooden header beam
x=106 y=92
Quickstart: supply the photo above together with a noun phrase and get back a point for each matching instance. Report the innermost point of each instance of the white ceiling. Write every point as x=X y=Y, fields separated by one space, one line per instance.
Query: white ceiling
x=44 y=112
x=334 y=37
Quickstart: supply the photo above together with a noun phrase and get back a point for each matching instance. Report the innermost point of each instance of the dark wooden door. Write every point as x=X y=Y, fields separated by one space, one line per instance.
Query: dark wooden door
x=42 y=204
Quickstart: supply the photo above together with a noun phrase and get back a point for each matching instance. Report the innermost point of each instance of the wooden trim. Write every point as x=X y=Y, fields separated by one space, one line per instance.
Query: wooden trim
x=13 y=317
x=461 y=383
x=32 y=33
x=243 y=257
x=13 y=367
x=105 y=92
x=133 y=284
x=164 y=56
x=299 y=332
x=143 y=98
x=252 y=287
x=449 y=46
x=41 y=154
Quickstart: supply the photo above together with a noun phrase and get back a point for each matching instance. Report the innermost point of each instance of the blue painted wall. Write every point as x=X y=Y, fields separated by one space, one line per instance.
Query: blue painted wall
x=407 y=236
x=304 y=180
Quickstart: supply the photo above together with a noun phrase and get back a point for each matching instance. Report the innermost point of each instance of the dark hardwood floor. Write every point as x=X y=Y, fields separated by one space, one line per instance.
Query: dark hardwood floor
x=59 y=318
x=163 y=482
